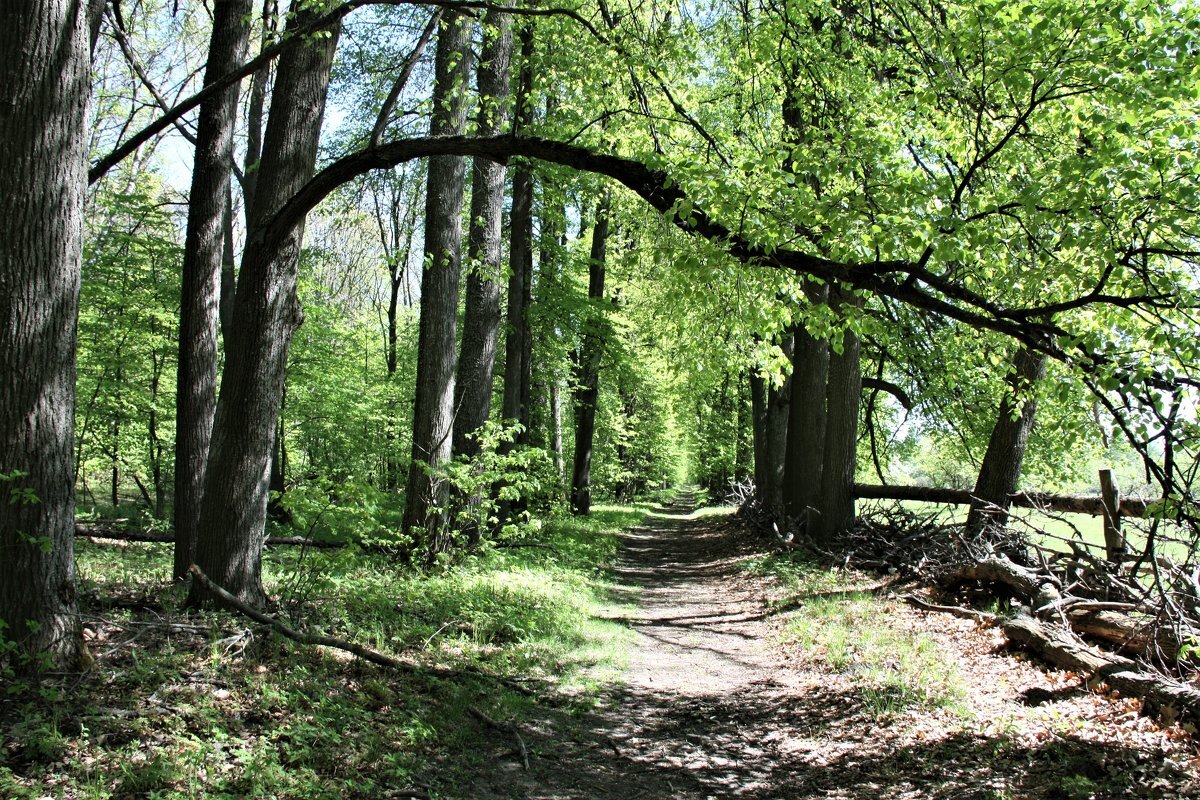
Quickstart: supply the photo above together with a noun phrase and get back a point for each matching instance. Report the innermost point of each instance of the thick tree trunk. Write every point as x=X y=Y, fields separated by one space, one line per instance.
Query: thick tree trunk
x=590 y=352
x=425 y=518
x=805 y=457
x=481 y=326
x=844 y=387
x=234 y=505
x=1001 y=467
x=43 y=173
x=481 y=320
x=209 y=214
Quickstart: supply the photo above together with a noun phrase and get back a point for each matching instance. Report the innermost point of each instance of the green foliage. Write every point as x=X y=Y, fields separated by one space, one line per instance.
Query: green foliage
x=128 y=314
x=255 y=715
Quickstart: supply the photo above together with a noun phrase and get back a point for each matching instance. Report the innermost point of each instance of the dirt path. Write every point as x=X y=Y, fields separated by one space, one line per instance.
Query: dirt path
x=715 y=704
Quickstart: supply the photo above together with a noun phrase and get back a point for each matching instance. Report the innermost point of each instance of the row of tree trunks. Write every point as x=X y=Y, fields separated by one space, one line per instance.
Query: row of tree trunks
x=232 y=519
x=203 y=255
x=425 y=517
x=769 y=407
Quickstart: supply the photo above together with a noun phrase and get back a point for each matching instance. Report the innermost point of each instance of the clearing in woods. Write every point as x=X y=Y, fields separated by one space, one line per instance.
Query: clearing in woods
x=723 y=697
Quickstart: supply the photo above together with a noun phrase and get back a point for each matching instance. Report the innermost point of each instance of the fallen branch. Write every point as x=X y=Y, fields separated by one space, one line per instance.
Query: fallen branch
x=1166 y=699
x=514 y=545
x=320 y=640
x=503 y=726
x=145 y=536
x=1054 y=644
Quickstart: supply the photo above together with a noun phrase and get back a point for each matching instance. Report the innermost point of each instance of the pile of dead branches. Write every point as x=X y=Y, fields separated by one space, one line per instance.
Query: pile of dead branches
x=1133 y=625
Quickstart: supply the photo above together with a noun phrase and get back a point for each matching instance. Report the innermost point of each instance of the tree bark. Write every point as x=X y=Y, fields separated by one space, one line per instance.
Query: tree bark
x=43 y=171
x=203 y=257
x=481 y=329
x=778 y=411
x=425 y=518
x=234 y=505
x=805 y=457
x=843 y=390
x=520 y=254
x=1001 y=467
x=590 y=352
x=481 y=319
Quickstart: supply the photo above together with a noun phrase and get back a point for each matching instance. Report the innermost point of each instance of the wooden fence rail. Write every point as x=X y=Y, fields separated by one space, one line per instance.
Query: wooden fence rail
x=1069 y=503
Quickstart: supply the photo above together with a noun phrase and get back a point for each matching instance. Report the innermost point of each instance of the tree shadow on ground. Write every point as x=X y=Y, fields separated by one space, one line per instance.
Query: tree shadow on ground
x=766 y=744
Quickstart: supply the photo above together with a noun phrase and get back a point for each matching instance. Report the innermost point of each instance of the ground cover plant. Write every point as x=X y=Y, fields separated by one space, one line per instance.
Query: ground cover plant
x=180 y=704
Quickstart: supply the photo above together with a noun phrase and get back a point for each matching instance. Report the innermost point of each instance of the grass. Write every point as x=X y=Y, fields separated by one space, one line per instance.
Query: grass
x=213 y=707
x=855 y=633
x=1056 y=529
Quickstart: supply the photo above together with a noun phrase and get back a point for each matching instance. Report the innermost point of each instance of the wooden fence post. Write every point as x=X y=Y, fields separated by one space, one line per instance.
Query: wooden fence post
x=1114 y=541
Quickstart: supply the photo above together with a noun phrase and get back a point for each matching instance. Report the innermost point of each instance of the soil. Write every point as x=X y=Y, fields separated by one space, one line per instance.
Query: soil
x=718 y=703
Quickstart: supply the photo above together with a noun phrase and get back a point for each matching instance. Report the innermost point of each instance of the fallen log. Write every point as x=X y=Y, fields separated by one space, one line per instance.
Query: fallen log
x=1040 y=589
x=1168 y=700
x=1131 y=633
x=1164 y=698
x=93 y=531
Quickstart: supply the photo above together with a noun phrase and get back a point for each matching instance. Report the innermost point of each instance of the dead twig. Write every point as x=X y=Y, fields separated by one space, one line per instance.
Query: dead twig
x=504 y=726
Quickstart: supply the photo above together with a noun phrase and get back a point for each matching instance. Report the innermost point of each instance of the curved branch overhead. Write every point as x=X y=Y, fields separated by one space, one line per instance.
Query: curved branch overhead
x=904 y=281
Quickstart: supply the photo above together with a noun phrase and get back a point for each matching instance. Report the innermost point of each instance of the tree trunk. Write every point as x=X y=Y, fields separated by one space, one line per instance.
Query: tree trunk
x=590 y=353
x=203 y=256
x=481 y=326
x=1001 y=467
x=520 y=254
x=804 y=461
x=775 y=422
x=425 y=518
x=254 y=109
x=43 y=171
x=234 y=504
x=836 y=506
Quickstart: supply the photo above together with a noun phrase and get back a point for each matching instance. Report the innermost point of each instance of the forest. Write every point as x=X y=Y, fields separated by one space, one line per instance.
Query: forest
x=605 y=398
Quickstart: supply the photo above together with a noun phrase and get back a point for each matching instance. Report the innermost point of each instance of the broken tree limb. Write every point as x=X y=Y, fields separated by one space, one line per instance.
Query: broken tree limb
x=227 y=600
x=97 y=532
x=1164 y=698
x=1041 y=589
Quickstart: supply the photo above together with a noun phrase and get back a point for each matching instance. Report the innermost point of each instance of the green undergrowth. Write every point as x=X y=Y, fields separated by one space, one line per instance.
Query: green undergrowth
x=854 y=632
x=181 y=705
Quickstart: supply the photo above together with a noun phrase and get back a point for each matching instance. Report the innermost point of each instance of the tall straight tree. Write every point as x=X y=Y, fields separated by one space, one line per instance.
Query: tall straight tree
x=843 y=388
x=587 y=394
x=203 y=256
x=425 y=518
x=476 y=367
x=43 y=171
x=233 y=513
x=520 y=257
x=805 y=456
x=481 y=327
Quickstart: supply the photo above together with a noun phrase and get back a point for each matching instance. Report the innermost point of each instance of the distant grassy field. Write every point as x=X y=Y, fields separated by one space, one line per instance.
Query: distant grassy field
x=1056 y=530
